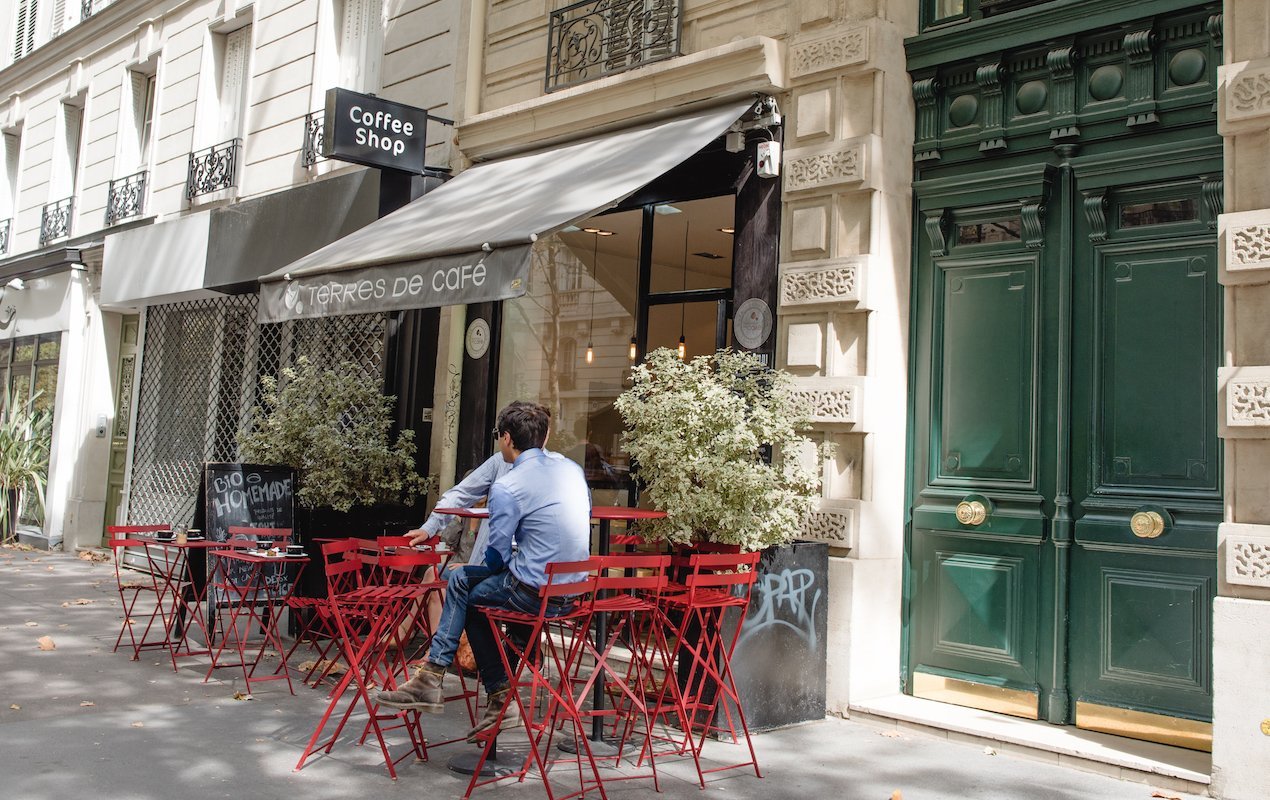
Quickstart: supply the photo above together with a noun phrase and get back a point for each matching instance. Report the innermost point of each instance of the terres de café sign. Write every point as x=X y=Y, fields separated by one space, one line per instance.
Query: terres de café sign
x=374 y=132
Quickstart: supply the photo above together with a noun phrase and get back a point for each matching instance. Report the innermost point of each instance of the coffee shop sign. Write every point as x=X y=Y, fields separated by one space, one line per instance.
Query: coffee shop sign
x=368 y=130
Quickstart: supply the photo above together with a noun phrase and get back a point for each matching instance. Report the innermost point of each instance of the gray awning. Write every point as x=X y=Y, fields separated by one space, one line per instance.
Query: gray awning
x=468 y=241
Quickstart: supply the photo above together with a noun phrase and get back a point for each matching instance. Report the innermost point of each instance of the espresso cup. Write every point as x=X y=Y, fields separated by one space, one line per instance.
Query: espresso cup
x=164 y=536
x=295 y=549
x=264 y=544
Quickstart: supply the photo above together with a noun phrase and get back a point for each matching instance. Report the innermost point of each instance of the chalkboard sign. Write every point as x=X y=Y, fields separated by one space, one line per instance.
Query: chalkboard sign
x=247 y=495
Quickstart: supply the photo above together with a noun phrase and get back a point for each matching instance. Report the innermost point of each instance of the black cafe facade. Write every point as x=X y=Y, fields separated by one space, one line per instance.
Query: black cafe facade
x=558 y=263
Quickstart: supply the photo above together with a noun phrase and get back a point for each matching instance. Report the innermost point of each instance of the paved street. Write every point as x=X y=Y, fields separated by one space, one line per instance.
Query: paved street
x=79 y=719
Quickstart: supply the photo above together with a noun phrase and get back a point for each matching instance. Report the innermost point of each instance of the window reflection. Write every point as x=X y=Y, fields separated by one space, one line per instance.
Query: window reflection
x=582 y=290
x=697 y=229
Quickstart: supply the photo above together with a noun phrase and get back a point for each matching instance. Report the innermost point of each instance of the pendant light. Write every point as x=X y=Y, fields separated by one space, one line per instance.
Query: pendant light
x=630 y=354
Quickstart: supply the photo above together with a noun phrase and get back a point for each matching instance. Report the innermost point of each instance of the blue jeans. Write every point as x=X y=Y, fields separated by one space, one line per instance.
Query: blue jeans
x=469 y=589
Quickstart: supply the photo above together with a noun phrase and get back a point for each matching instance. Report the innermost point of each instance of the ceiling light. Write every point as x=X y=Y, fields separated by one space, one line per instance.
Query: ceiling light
x=727 y=230
x=666 y=209
x=598 y=231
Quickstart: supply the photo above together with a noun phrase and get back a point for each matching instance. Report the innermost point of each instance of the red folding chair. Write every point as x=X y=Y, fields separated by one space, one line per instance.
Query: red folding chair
x=695 y=620
x=344 y=571
x=531 y=647
x=628 y=590
x=133 y=588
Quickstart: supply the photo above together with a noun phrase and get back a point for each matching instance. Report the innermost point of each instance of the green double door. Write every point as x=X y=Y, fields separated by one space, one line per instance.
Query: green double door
x=1065 y=464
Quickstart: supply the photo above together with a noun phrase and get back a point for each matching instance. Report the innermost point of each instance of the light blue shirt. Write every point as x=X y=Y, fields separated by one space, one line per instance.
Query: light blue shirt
x=544 y=506
x=467 y=493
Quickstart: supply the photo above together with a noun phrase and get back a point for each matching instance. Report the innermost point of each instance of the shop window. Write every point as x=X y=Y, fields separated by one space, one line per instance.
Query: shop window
x=990 y=232
x=568 y=342
x=30 y=370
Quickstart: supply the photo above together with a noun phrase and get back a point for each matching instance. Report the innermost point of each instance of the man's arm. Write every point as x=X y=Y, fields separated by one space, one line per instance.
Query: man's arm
x=463 y=494
x=504 y=519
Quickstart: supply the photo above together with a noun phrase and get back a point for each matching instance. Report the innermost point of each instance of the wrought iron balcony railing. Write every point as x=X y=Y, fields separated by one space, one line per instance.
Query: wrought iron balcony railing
x=55 y=222
x=213 y=169
x=311 y=153
x=5 y=227
x=85 y=9
x=127 y=197
x=594 y=38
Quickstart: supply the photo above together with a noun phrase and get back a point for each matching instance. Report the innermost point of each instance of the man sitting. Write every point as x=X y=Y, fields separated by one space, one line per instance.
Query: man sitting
x=543 y=505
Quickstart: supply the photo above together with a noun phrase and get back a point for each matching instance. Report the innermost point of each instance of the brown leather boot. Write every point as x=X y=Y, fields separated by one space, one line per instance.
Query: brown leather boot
x=423 y=692
x=493 y=706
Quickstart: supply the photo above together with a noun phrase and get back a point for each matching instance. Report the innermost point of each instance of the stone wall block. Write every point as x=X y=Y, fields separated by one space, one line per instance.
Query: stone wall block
x=1245 y=251
x=826 y=165
x=826 y=282
x=834 y=401
x=850 y=47
x=1243 y=96
x=1245 y=400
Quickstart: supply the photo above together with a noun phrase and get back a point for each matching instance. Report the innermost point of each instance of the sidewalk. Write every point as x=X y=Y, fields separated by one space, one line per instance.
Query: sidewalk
x=89 y=720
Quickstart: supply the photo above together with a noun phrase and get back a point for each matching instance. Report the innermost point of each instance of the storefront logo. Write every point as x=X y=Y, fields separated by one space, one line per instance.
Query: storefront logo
x=345 y=296
x=374 y=132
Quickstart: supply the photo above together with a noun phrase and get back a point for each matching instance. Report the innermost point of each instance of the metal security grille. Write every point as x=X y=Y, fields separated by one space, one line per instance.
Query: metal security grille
x=200 y=379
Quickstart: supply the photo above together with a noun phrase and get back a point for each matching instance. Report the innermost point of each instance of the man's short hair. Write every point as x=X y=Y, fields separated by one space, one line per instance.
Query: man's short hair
x=526 y=422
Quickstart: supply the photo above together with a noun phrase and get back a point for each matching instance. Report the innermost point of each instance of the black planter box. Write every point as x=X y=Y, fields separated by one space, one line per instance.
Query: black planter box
x=779 y=661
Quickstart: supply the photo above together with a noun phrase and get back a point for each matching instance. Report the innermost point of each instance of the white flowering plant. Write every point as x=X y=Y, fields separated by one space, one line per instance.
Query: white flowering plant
x=332 y=426
x=715 y=441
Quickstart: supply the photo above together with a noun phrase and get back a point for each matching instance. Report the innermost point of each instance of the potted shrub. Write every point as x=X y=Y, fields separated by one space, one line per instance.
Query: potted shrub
x=333 y=427
x=718 y=443
x=25 y=434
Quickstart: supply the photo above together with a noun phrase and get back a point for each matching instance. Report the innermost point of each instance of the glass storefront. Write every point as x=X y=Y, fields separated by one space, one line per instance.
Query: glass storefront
x=568 y=342
x=29 y=368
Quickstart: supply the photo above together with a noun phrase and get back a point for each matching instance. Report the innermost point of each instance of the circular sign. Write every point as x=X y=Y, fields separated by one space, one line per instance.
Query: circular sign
x=752 y=323
x=477 y=338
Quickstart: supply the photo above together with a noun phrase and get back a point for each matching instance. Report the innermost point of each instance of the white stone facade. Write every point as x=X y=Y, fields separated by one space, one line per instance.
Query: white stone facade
x=1241 y=625
x=73 y=108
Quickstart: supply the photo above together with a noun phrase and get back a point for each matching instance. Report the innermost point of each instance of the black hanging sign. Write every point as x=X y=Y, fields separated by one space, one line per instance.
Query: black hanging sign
x=374 y=132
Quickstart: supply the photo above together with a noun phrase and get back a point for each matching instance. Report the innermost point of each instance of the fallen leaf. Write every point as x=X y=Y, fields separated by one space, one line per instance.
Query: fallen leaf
x=890 y=734
x=1165 y=796
x=87 y=703
x=138 y=724
x=988 y=751
x=242 y=696
x=83 y=601
x=31 y=624
x=15 y=707
x=49 y=568
x=47 y=643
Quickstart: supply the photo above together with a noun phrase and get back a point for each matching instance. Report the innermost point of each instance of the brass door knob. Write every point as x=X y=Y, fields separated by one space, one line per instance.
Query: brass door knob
x=971 y=512
x=1147 y=524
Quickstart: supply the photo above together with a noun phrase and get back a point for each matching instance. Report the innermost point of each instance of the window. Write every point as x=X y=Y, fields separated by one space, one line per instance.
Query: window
x=234 y=51
x=29 y=367
x=66 y=168
x=359 y=44
x=24 y=30
x=138 y=113
x=9 y=176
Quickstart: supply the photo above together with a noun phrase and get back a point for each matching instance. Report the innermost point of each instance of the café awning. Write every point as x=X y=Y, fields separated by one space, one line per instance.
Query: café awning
x=468 y=241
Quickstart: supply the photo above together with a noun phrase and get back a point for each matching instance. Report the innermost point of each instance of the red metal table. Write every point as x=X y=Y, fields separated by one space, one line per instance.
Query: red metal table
x=181 y=566
x=261 y=600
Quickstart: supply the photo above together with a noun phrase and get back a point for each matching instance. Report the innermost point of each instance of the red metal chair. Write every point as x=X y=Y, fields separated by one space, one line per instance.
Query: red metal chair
x=344 y=572
x=695 y=620
x=131 y=590
x=531 y=647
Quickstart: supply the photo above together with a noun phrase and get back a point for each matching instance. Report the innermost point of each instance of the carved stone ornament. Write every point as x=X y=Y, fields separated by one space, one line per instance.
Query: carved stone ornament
x=1247 y=554
x=814 y=282
x=1246 y=244
x=832 y=401
x=1247 y=91
x=844 y=49
x=825 y=165
x=1248 y=403
x=835 y=526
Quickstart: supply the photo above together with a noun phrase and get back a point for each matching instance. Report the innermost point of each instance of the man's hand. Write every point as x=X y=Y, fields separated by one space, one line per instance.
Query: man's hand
x=418 y=536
